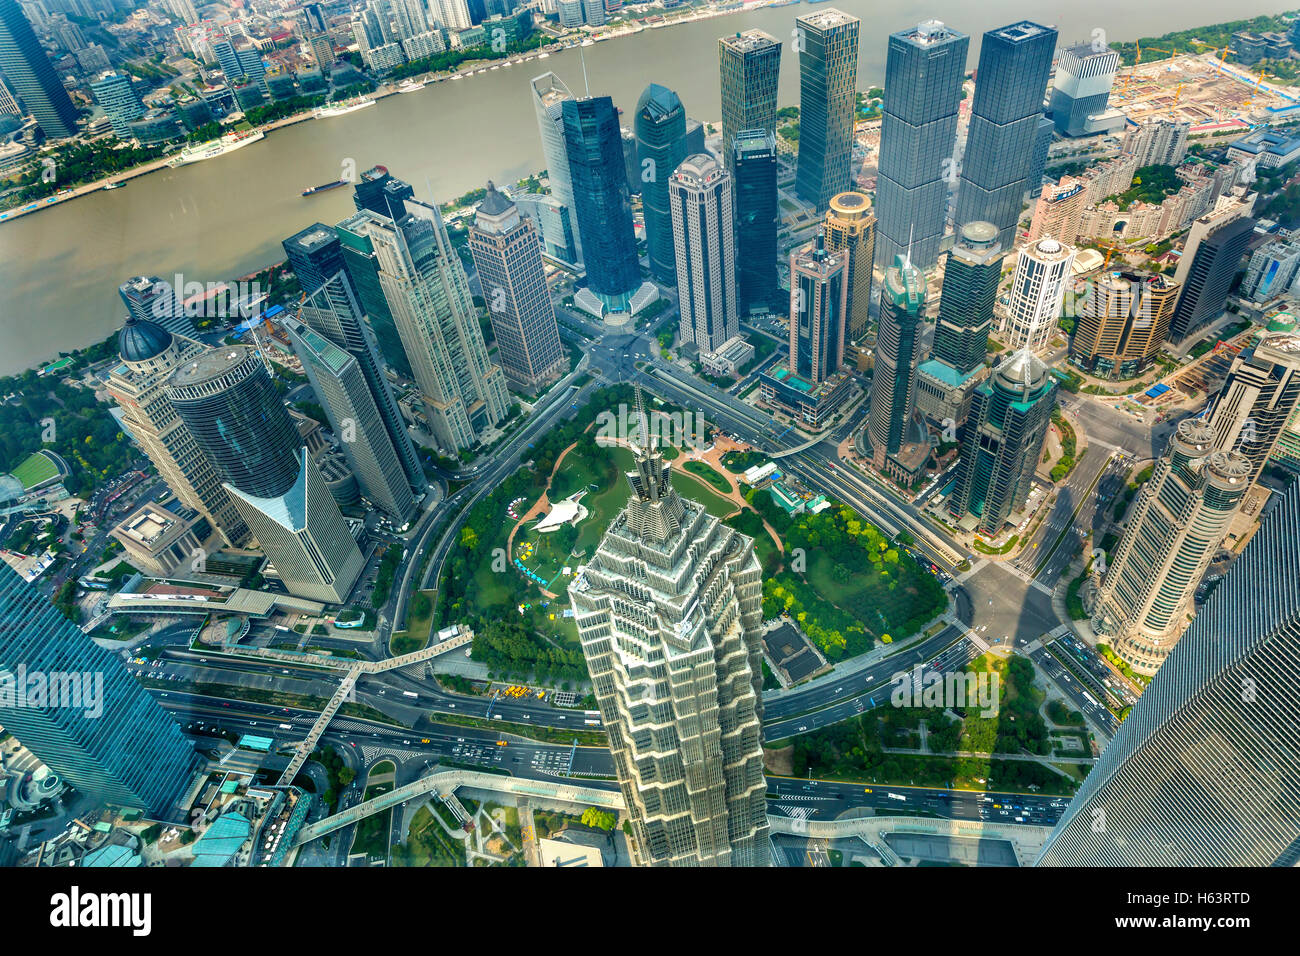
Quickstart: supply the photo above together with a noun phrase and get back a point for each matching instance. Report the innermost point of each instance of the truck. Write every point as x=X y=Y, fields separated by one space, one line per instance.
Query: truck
x=286 y=726
x=895 y=796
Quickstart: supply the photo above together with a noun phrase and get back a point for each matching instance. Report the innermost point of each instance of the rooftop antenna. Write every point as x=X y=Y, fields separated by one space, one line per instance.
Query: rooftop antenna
x=643 y=420
x=910 y=230
x=583 y=56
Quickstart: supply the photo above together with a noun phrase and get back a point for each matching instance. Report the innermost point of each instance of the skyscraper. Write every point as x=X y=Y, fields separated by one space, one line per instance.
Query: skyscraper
x=149 y=356
x=1081 y=89
x=93 y=725
x=758 y=216
x=428 y=296
x=549 y=93
x=701 y=204
x=819 y=296
x=362 y=266
x=331 y=309
x=1171 y=534
x=828 y=86
x=970 y=288
x=923 y=78
x=31 y=75
x=851 y=228
x=660 y=148
x=1259 y=395
x=1209 y=274
x=1037 y=293
x=669 y=609
x=381 y=192
x=1205 y=771
x=117 y=97
x=149 y=298
x=601 y=199
x=1123 y=324
x=237 y=418
x=1003 y=440
x=945 y=382
x=893 y=382
x=338 y=381
x=749 y=65
x=507 y=252
x=1003 y=133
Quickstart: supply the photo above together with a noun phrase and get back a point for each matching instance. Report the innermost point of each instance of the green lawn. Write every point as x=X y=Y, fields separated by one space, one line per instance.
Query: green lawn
x=34 y=469
x=709 y=474
x=427 y=844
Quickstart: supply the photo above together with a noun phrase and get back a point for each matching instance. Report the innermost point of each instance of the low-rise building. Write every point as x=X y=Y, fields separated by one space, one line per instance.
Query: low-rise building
x=1266 y=147
x=158 y=541
x=728 y=358
x=810 y=404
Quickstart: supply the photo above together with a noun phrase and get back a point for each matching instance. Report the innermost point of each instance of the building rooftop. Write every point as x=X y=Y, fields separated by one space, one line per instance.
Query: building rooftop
x=211 y=364
x=141 y=340
x=749 y=40
x=826 y=19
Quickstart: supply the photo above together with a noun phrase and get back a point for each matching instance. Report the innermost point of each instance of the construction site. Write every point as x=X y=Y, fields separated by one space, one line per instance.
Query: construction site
x=1214 y=96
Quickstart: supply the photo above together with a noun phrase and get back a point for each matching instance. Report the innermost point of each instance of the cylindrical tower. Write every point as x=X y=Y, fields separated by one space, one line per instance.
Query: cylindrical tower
x=226 y=398
x=1177 y=525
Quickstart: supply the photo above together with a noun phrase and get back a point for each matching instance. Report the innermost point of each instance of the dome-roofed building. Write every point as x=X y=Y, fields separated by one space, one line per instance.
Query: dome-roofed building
x=1009 y=416
x=141 y=341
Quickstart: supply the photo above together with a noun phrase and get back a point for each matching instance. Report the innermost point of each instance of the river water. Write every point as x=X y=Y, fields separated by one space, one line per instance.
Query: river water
x=60 y=268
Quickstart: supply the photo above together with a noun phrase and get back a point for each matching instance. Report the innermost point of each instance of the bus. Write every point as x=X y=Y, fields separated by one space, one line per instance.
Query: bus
x=286 y=726
x=407 y=693
x=592 y=723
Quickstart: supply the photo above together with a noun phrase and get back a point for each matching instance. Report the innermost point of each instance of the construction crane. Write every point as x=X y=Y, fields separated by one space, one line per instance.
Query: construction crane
x=1178 y=92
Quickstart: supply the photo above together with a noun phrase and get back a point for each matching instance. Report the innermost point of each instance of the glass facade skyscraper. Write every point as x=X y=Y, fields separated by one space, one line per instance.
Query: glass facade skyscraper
x=1003 y=440
x=331 y=309
x=970 y=288
x=549 y=93
x=1205 y=771
x=757 y=219
x=1261 y=392
x=660 y=149
x=96 y=727
x=601 y=198
x=828 y=86
x=32 y=76
x=340 y=384
x=749 y=66
x=1003 y=136
x=898 y=352
x=116 y=95
x=1081 y=90
x=226 y=398
x=923 y=76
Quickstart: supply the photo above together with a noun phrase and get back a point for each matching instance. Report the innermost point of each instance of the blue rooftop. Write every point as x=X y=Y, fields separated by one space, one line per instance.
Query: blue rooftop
x=944 y=373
